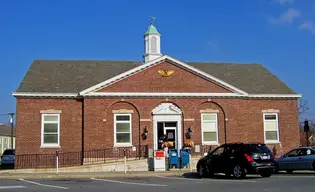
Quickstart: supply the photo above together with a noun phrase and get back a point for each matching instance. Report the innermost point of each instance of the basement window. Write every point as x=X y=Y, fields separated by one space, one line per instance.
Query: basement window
x=50 y=136
x=271 y=127
x=122 y=130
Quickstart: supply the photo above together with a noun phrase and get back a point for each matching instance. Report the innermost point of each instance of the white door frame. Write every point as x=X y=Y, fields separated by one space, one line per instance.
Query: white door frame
x=167 y=112
x=176 y=136
x=170 y=128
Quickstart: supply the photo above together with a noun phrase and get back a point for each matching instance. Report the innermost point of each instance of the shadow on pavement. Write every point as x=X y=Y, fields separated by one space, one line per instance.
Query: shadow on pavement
x=194 y=175
x=295 y=173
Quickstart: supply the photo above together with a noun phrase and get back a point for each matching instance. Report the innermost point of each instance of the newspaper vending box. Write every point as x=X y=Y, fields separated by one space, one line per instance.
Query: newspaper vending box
x=159 y=160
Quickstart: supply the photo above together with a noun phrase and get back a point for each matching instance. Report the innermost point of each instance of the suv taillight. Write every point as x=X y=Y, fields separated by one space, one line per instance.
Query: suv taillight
x=249 y=158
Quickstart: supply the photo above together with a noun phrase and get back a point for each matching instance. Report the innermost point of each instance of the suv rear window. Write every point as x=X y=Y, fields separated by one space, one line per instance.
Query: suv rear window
x=259 y=148
x=8 y=152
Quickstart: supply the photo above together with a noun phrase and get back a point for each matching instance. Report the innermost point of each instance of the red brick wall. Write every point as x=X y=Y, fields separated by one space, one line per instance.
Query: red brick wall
x=245 y=120
x=151 y=81
x=28 y=122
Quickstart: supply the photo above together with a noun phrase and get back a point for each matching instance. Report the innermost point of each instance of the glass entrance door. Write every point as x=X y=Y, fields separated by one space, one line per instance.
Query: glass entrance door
x=167 y=134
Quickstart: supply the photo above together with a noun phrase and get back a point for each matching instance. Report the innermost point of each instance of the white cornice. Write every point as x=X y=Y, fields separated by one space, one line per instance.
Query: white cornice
x=163 y=94
x=150 y=94
x=41 y=94
x=275 y=95
x=154 y=62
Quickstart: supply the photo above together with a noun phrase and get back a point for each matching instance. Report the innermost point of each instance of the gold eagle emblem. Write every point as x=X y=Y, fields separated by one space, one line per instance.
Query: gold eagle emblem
x=166 y=73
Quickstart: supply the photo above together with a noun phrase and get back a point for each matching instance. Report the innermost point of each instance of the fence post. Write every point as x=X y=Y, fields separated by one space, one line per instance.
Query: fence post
x=125 y=162
x=57 y=160
x=190 y=162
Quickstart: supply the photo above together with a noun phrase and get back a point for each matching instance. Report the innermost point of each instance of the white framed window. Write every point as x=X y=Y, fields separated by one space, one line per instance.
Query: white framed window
x=122 y=130
x=271 y=127
x=50 y=136
x=209 y=128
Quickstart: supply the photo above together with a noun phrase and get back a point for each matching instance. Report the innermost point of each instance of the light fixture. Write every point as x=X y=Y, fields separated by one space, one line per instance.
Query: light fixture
x=145 y=133
x=189 y=133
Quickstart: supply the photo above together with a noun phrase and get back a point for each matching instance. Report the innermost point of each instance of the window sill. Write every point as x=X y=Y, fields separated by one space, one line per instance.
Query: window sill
x=211 y=143
x=122 y=145
x=49 y=146
x=272 y=142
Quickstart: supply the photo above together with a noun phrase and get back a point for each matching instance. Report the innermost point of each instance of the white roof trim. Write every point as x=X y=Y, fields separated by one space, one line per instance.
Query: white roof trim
x=207 y=75
x=122 y=75
x=169 y=94
x=162 y=94
x=41 y=94
x=156 y=61
x=275 y=95
x=152 y=94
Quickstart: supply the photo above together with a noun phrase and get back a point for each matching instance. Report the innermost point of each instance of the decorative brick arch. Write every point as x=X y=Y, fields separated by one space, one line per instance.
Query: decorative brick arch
x=224 y=116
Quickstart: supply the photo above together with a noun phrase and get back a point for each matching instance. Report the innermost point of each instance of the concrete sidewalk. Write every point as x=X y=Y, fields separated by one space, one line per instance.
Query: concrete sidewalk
x=81 y=175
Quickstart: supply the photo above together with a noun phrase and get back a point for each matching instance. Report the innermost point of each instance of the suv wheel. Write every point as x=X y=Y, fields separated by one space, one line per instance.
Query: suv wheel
x=266 y=173
x=238 y=172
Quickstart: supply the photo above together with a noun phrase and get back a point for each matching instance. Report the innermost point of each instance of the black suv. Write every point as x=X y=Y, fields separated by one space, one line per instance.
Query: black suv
x=237 y=159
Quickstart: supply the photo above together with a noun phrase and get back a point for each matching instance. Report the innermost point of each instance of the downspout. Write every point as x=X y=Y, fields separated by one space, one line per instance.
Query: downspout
x=82 y=150
x=139 y=149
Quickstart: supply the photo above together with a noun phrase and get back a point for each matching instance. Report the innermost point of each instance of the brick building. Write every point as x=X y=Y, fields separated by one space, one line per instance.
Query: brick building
x=76 y=105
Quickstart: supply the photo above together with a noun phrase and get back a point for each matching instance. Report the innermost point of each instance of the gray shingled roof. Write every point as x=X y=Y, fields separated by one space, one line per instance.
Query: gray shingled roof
x=5 y=130
x=73 y=76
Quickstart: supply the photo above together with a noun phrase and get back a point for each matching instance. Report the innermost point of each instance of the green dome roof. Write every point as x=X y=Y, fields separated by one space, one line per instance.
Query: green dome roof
x=151 y=30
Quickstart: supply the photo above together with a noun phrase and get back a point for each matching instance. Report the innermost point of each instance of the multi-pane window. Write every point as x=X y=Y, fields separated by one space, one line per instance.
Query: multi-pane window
x=50 y=129
x=122 y=129
x=271 y=127
x=209 y=126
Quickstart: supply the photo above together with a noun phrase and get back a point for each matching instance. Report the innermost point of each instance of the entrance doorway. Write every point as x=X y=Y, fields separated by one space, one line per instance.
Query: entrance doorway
x=167 y=120
x=167 y=132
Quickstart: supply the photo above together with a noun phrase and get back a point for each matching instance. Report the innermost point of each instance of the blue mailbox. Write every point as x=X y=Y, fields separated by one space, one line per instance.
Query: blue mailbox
x=185 y=158
x=173 y=158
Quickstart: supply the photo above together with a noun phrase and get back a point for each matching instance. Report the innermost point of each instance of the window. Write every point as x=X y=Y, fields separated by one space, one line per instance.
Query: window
x=153 y=45
x=50 y=130
x=271 y=127
x=209 y=126
x=218 y=151
x=122 y=129
x=294 y=153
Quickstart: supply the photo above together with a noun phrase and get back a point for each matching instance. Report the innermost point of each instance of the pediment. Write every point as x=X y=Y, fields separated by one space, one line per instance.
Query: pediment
x=183 y=73
x=166 y=109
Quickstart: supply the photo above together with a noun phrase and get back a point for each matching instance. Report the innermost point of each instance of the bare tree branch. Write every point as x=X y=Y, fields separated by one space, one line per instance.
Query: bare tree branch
x=303 y=106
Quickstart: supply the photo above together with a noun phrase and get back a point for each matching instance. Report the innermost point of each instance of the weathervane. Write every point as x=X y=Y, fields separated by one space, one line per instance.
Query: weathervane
x=152 y=19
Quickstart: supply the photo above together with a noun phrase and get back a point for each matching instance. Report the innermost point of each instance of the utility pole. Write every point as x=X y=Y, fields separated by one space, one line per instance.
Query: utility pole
x=306 y=129
x=11 y=122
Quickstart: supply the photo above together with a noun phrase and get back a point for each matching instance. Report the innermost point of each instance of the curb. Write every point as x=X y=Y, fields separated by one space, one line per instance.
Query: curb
x=90 y=175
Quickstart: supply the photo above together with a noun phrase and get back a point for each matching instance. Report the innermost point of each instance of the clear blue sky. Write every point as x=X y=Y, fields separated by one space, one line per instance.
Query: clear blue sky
x=280 y=34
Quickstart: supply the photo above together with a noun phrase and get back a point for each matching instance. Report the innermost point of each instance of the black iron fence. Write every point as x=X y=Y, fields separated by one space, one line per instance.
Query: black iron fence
x=200 y=149
x=94 y=156
x=79 y=158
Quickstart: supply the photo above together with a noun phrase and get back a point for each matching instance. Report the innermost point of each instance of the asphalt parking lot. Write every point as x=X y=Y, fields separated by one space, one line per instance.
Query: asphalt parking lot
x=187 y=183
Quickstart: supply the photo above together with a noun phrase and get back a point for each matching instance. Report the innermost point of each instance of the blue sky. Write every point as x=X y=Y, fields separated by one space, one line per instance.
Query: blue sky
x=280 y=34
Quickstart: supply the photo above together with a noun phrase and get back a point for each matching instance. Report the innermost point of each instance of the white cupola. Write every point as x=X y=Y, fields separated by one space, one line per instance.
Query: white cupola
x=152 y=43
